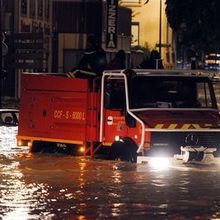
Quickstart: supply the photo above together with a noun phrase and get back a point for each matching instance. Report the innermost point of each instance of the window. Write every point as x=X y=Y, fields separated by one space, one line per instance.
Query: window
x=170 y=92
x=47 y=9
x=40 y=8
x=135 y=33
x=204 y=97
x=24 y=7
x=9 y=118
x=114 y=95
x=32 y=8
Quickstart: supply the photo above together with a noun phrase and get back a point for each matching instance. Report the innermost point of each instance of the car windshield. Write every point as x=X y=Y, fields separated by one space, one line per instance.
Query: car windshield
x=171 y=92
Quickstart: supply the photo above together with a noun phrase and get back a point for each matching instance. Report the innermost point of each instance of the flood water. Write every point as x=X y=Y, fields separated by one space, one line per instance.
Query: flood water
x=48 y=186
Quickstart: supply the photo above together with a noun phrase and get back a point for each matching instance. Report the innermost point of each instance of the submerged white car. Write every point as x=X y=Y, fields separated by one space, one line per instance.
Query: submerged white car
x=9 y=117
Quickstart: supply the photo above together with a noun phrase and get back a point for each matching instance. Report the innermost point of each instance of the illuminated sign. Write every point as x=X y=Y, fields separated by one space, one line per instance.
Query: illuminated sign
x=111 y=32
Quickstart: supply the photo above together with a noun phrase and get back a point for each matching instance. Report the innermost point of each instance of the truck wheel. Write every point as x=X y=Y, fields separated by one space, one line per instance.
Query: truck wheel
x=125 y=150
x=43 y=147
x=37 y=146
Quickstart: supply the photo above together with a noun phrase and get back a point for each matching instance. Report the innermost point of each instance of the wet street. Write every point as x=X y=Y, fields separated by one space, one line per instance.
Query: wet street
x=46 y=186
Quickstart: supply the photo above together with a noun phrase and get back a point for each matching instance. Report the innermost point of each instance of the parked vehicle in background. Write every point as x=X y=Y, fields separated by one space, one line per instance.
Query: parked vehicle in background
x=212 y=61
x=9 y=117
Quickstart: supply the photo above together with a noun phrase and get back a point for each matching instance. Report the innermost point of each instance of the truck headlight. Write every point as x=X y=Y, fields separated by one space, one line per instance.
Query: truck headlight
x=159 y=163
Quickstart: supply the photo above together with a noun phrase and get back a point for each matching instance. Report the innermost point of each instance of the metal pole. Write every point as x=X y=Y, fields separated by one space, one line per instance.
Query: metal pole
x=1 y=53
x=160 y=26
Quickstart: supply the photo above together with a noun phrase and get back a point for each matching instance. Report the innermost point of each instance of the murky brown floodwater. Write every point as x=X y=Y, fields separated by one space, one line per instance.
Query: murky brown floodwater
x=48 y=186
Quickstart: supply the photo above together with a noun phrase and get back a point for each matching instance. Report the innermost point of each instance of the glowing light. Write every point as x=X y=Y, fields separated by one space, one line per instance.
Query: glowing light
x=81 y=217
x=19 y=213
x=117 y=176
x=117 y=138
x=19 y=143
x=159 y=163
x=82 y=149
x=24 y=143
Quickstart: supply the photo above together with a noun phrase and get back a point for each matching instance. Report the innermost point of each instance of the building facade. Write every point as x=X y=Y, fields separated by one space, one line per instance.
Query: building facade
x=74 y=20
x=150 y=27
x=27 y=26
x=50 y=35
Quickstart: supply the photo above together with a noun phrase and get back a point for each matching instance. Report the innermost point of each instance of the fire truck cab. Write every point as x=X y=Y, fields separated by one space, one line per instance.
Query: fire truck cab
x=130 y=113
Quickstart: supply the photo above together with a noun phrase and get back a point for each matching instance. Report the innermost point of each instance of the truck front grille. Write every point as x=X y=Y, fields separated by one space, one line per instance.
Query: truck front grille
x=170 y=142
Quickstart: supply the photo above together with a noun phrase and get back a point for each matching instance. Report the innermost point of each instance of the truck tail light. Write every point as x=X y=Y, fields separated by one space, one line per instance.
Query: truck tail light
x=29 y=143
x=19 y=143
x=24 y=143
x=81 y=149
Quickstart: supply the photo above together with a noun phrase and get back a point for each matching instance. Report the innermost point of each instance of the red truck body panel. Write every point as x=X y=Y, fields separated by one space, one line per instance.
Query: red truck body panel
x=57 y=109
x=180 y=119
x=115 y=125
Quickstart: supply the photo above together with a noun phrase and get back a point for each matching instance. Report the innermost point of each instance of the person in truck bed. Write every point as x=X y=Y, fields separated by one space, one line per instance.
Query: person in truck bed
x=118 y=62
x=94 y=58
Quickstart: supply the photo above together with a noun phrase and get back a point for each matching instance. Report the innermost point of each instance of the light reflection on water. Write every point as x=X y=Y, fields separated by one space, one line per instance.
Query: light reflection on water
x=45 y=186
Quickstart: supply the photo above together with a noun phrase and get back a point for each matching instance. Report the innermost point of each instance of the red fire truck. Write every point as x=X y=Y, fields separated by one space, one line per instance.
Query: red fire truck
x=126 y=113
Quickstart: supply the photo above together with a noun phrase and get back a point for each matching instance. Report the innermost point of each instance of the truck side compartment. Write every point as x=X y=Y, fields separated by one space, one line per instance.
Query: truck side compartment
x=57 y=109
